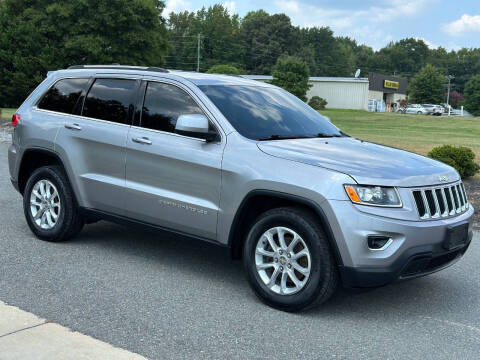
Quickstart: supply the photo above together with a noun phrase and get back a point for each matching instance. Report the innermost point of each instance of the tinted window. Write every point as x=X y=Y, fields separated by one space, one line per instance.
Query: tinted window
x=164 y=104
x=63 y=96
x=261 y=112
x=110 y=99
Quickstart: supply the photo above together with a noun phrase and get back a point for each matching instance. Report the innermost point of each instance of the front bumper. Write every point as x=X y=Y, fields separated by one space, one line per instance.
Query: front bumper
x=415 y=262
x=417 y=247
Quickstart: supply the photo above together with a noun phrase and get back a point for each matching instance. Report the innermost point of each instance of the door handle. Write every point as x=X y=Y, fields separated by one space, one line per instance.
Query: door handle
x=73 y=126
x=142 y=140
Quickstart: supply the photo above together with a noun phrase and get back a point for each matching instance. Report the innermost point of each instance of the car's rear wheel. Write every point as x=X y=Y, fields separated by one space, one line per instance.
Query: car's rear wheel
x=419 y=112
x=49 y=205
x=288 y=260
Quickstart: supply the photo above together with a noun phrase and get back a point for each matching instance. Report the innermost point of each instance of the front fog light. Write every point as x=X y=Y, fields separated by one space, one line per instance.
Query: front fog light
x=374 y=195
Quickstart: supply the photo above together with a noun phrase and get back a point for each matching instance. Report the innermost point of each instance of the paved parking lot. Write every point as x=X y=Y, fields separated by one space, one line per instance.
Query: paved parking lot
x=167 y=297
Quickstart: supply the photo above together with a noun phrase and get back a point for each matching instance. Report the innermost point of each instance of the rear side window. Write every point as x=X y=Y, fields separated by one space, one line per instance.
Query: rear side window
x=110 y=99
x=164 y=104
x=63 y=95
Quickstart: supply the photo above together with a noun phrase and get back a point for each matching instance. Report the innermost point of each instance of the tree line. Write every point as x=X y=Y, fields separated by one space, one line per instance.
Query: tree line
x=41 y=35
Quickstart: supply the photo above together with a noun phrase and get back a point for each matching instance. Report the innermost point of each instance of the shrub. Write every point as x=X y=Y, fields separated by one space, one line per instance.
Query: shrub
x=223 y=69
x=456 y=99
x=459 y=157
x=317 y=103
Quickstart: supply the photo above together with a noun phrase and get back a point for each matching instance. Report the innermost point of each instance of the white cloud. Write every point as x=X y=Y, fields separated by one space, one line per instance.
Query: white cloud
x=366 y=25
x=230 y=6
x=466 y=23
x=429 y=43
x=176 y=6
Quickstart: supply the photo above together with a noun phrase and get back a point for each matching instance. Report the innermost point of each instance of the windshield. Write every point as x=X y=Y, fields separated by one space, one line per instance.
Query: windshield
x=261 y=113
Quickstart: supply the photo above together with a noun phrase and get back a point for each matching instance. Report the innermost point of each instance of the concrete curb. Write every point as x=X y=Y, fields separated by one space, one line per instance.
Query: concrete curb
x=26 y=336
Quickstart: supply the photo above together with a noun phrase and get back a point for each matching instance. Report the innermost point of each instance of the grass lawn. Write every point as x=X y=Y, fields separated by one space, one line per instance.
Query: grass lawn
x=6 y=115
x=416 y=133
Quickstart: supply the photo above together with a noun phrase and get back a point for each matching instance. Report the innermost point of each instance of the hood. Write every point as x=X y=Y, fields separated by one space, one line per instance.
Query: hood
x=367 y=163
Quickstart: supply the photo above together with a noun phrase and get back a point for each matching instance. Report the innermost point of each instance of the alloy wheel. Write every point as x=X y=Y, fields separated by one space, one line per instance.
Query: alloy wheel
x=45 y=204
x=283 y=260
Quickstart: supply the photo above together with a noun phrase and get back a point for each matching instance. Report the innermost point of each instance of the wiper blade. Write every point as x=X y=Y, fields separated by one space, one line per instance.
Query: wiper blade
x=284 y=137
x=324 y=135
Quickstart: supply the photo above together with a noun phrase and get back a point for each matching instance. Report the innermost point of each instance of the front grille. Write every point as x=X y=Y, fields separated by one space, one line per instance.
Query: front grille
x=440 y=201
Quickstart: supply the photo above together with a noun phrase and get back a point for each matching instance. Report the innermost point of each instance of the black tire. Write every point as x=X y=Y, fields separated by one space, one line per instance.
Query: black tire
x=419 y=112
x=69 y=222
x=323 y=278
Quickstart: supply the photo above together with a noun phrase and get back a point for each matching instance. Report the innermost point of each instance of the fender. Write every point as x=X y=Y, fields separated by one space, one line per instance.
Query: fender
x=294 y=199
x=48 y=152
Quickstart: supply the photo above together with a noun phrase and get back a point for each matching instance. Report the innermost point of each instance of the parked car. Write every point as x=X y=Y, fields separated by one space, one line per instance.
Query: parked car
x=415 y=109
x=436 y=110
x=446 y=107
x=239 y=163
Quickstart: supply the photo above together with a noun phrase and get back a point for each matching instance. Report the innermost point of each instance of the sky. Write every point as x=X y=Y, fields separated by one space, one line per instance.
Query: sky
x=452 y=24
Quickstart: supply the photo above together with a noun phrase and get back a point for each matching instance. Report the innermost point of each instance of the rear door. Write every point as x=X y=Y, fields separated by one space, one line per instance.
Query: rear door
x=172 y=180
x=93 y=142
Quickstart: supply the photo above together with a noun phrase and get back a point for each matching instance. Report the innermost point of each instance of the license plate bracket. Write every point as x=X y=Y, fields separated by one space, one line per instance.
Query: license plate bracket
x=457 y=236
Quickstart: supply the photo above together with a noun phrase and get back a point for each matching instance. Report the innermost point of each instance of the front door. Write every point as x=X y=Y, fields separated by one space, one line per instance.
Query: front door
x=172 y=181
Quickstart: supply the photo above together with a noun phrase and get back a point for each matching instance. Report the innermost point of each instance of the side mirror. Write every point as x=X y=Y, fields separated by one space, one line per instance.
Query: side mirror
x=195 y=125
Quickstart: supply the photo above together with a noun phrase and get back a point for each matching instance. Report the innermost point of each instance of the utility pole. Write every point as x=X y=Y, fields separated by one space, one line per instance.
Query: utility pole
x=198 y=52
x=449 y=77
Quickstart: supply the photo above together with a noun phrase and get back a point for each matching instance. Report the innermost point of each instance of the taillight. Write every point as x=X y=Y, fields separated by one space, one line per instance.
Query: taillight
x=15 y=119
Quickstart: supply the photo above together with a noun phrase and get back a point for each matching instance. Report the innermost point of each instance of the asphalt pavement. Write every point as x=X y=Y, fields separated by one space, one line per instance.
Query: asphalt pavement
x=169 y=297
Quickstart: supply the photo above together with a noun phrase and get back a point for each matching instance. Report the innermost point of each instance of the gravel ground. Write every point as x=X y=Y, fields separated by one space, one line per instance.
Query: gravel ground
x=472 y=186
x=5 y=133
x=168 y=297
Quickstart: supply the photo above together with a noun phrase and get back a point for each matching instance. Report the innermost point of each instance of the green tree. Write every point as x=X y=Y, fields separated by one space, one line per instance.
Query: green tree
x=428 y=86
x=357 y=57
x=466 y=64
x=472 y=95
x=405 y=57
x=265 y=38
x=329 y=56
x=219 y=39
x=292 y=74
x=223 y=69
x=41 y=35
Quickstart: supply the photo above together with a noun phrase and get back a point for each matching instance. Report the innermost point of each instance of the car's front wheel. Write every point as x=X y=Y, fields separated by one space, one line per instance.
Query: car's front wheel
x=49 y=205
x=288 y=260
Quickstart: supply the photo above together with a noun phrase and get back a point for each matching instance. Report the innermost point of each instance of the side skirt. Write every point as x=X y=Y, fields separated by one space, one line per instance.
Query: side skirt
x=95 y=215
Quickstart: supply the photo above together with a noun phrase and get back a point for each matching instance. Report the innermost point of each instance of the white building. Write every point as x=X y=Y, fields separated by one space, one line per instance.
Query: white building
x=352 y=93
x=340 y=93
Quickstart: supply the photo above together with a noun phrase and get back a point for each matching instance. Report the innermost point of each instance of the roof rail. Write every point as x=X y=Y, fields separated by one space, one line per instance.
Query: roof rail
x=119 y=67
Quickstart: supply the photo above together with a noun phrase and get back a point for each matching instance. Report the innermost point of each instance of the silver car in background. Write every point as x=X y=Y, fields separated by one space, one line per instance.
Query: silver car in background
x=239 y=163
x=436 y=110
x=415 y=109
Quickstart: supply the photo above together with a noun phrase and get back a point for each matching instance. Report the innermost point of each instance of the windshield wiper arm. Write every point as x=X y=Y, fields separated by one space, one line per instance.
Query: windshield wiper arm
x=284 y=137
x=324 y=135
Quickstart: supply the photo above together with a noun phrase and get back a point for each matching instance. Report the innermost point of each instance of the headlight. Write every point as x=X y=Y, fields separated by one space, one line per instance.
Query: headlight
x=374 y=195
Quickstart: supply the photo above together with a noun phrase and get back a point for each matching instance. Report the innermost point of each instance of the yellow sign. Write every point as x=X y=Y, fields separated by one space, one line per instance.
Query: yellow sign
x=391 y=84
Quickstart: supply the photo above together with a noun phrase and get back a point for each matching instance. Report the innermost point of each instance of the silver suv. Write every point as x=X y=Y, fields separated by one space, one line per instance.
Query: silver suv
x=240 y=163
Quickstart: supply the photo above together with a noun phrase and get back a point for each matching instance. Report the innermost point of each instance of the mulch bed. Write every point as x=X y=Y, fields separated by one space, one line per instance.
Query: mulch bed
x=473 y=192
